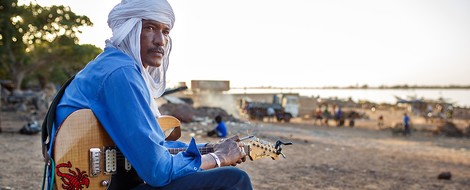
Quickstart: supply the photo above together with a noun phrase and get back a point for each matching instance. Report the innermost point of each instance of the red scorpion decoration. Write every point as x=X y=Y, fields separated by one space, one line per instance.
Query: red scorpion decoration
x=72 y=180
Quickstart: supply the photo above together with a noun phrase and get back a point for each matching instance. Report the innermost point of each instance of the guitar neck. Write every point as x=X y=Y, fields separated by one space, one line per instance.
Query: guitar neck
x=202 y=150
x=205 y=150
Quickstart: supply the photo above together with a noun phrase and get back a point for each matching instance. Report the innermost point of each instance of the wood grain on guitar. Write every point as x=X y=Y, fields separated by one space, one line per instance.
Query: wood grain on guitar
x=86 y=157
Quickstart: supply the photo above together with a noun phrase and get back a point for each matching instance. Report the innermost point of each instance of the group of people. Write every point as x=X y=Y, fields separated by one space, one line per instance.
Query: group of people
x=406 y=123
x=325 y=115
x=339 y=117
x=121 y=85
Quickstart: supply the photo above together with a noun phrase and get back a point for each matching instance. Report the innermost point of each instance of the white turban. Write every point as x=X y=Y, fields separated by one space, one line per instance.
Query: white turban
x=125 y=21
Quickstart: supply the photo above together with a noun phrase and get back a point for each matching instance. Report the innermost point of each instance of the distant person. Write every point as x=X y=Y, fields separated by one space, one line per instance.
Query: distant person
x=318 y=116
x=450 y=113
x=247 y=106
x=381 y=121
x=406 y=124
x=338 y=117
x=271 y=113
x=220 y=130
x=429 y=113
x=326 y=116
x=352 y=116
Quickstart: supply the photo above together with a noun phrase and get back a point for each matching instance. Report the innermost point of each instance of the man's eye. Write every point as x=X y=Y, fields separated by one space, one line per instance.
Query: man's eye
x=166 y=32
x=150 y=28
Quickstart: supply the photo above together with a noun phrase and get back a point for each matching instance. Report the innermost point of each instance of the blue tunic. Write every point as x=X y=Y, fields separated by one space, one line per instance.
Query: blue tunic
x=406 y=121
x=221 y=130
x=113 y=88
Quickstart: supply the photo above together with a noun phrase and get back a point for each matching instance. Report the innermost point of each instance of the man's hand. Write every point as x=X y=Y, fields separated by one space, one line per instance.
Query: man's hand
x=230 y=151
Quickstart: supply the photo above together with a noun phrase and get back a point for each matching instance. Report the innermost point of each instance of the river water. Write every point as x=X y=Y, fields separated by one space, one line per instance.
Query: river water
x=459 y=97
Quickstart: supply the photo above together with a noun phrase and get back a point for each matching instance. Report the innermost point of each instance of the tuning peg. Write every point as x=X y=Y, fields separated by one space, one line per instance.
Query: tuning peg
x=278 y=147
x=279 y=143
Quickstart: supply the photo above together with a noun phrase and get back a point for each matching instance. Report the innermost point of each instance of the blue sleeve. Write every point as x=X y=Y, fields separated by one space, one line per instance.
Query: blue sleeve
x=179 y=144
x=122 y=108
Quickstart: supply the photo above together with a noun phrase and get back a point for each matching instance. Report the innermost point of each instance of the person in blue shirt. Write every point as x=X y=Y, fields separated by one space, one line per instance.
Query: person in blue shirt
x=406 y=124
x=339 y=117
x=120 y=86
x=220 y=130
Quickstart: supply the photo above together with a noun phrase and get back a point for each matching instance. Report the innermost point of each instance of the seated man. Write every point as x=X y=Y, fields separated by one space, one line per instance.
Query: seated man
x=220 y=130
x=120 y=86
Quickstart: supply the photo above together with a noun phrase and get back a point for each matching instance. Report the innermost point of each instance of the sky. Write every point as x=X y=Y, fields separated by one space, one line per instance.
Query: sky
x=308 y=43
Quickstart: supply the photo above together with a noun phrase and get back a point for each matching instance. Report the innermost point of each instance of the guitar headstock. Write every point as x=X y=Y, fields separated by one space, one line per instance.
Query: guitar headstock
x=259 y=149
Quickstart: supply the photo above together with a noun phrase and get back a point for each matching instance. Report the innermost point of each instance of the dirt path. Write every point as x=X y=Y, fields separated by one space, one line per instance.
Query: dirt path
x=321 y=158
x=344 y=158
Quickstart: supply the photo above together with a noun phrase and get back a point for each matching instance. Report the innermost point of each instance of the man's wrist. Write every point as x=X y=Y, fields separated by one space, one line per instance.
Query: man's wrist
x=216 y=158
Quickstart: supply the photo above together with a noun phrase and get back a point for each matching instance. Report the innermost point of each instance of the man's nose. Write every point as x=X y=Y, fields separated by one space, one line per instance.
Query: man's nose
x=159 y=38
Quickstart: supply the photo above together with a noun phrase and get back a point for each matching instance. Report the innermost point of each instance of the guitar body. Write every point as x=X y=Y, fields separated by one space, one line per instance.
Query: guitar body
x=80 y=133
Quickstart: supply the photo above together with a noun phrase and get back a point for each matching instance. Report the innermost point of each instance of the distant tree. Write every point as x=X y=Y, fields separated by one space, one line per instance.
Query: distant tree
x=65 y=58
x=26 y=33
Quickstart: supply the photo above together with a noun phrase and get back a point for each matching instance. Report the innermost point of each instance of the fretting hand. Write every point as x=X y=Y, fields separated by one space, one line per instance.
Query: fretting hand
x=230 y=151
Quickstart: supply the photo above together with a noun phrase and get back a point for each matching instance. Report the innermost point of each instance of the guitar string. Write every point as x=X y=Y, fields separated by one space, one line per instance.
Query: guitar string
x=202 y=150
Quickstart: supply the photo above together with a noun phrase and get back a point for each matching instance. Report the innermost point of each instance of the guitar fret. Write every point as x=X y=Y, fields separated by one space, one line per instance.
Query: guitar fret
x=202 y=150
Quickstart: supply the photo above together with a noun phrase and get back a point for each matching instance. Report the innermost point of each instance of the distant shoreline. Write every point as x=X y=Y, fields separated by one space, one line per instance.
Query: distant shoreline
x=456 y=96
x=401 y=87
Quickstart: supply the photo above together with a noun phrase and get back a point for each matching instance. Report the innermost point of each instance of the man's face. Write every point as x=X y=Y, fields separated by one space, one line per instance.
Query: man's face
x=153 y=38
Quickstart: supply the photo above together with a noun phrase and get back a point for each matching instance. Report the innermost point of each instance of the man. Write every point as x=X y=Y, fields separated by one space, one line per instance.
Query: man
x=271 y=113
x=326 y=115
x=381 y=121
x=339 y=117
x=120 y=86
x=318 y=116
x=220 y=130
x=406 y=124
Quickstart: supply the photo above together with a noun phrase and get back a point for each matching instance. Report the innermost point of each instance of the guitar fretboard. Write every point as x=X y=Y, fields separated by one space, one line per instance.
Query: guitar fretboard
x=202 y=150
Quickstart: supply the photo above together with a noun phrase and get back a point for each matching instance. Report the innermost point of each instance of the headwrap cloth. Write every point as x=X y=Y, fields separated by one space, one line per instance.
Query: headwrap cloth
x=125 y=21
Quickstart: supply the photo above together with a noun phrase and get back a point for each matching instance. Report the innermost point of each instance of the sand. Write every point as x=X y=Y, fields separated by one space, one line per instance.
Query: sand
x=363 y=157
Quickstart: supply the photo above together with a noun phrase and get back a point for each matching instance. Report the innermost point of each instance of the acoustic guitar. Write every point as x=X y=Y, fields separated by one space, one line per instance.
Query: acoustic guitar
x=86 y=157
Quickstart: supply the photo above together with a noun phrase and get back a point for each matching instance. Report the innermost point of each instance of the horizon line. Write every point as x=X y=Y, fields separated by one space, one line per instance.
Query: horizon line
x=360 y=87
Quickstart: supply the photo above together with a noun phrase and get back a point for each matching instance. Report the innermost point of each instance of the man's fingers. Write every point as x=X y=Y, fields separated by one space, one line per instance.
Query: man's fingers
x=234 y=138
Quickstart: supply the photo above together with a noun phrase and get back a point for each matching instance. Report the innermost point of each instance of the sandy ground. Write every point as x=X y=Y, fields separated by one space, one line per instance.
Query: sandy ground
x=321 y=157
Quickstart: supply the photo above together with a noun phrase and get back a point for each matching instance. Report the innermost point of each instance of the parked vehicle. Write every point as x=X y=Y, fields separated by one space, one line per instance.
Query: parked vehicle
x=286 y=106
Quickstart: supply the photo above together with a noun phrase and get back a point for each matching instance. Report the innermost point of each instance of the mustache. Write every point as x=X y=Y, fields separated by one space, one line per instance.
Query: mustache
x=157 y=49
